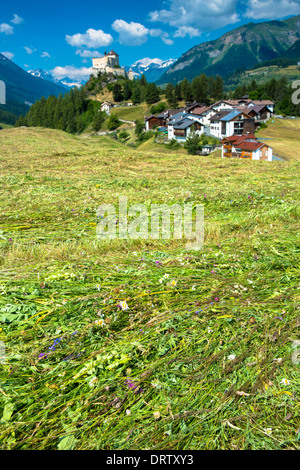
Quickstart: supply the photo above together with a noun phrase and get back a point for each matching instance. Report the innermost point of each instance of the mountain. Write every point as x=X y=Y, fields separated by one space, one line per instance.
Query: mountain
x=47 y=75
x=153 y=69
x=293 y=52
x=240 y=48
x=23 y=89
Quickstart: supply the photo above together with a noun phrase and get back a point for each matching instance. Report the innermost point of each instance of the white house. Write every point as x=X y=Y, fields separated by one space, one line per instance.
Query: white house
x=181 y=128
x=234 y=122
x=106 y=106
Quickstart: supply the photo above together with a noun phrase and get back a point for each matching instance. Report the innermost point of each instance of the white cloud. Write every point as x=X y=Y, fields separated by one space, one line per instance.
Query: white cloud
x=87 y=54
x=6 y=28
x=130 y=34
x=136 y=34
x=45 y=54
x=183 y=31
x=17 y=19
x=8 y=55
x=91 y=38
x=29 y=50
x=201 y=15
x=81 y=73
x=167 y=41
x=271 y=9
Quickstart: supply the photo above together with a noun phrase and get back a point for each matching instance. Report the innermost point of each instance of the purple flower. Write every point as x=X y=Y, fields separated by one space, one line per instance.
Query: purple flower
x=217 y=299
x=213 y=272
x=42 y=354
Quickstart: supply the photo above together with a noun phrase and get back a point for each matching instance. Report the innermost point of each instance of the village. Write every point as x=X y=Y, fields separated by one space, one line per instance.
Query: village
x=232 y=122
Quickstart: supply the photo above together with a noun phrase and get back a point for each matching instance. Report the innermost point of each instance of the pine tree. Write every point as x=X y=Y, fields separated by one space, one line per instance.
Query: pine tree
x=117 y=92
x=152 y=93
x=186 y=90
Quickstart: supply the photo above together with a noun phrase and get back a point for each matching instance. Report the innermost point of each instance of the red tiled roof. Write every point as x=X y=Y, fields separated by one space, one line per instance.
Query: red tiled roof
x=236 y=139
x=249 y=145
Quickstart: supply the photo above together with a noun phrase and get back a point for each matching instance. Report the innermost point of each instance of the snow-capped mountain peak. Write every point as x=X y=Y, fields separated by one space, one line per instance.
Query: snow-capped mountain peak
x=47 y=75
x=151 y=68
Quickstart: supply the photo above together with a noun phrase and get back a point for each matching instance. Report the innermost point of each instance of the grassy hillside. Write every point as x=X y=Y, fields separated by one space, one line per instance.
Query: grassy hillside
x=206 y=362
x=131 y=113
x=263 y=74
x=284 y=136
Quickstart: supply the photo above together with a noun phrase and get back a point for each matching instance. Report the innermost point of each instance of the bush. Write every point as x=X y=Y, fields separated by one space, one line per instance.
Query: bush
x=192 y=144
x=158 y=108
x=145 y=136
x=113 y=122
x=123 y=135
x=174 y=144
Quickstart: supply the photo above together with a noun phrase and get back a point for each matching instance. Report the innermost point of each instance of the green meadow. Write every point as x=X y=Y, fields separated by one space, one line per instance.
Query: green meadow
x=144 y=344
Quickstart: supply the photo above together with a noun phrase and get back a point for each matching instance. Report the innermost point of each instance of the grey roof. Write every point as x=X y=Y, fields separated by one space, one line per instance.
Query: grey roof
x=184 y=123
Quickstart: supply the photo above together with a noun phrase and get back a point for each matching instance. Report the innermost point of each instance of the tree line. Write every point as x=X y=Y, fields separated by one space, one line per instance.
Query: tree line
x=74 y=111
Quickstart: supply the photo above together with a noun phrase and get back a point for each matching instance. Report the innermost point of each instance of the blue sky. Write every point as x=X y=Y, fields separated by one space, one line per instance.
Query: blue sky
x=63 y=36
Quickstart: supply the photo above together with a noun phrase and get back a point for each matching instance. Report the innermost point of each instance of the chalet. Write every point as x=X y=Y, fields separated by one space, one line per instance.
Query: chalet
x=154 y=121
x=223 y=105
x=106 y=106
x=227 y=123
x=204 y=113
x=181 y=126
x=261 y=113
x=246 y=146
x=268 y=103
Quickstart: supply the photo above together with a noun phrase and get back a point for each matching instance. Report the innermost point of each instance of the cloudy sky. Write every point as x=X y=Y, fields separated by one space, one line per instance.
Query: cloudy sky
x=63 y=36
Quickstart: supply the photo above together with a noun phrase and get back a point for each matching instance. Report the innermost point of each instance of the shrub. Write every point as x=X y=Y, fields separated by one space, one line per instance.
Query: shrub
x=192 y=143
x=113 y=122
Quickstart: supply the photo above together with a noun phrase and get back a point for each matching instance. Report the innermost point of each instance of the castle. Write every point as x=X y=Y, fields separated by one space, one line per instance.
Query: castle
x=109 y=63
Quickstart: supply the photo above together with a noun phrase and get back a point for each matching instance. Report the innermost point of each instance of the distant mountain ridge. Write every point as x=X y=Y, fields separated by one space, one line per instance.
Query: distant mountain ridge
x=47 y=75
x=23 y=89
x=153 y=69
x=242 y=47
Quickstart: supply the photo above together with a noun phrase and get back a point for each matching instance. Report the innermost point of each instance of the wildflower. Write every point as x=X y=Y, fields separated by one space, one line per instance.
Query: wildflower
x=134 y=253
x=156 y=414
x=98 y=287
x=268 y=431
x=117 y=268
x=174 y=283
x=194 y=287
x=209 y=330
x=166 y=276
x=217 y=299
x=285 y=382
x=231 y=357
x=213 y=272
x=100 y=322
x=161 y=280
x=156 y=383
x=128 y=412
x=93 y=381
x=123 y=305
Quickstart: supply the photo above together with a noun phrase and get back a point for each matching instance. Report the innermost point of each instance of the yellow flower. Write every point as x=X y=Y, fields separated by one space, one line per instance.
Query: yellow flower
x=285 y=382
x=174 y=283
